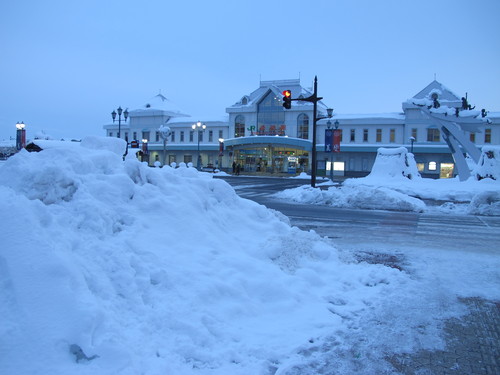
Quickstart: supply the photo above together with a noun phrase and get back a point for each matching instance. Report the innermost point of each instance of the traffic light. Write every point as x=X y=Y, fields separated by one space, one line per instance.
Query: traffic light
x=287 y=99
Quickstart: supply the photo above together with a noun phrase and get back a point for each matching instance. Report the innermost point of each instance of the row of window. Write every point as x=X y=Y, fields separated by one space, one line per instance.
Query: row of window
x=433 y=134
x=147 y=136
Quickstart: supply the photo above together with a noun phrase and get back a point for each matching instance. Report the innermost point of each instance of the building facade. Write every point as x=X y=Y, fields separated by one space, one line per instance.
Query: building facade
x=264 y=138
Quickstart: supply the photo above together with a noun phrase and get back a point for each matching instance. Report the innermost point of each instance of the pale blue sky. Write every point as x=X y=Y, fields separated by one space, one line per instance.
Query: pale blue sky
x=66 y=65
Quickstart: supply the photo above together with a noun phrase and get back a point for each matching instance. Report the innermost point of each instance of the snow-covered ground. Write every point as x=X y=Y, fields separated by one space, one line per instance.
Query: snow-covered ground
x=112 y=267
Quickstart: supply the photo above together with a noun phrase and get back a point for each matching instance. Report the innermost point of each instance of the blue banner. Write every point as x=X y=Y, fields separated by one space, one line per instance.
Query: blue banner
x=328 y=140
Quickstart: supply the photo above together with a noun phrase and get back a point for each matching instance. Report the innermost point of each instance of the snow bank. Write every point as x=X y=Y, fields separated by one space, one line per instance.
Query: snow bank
x=402 y=194
x=380 y=198
x=112 y=267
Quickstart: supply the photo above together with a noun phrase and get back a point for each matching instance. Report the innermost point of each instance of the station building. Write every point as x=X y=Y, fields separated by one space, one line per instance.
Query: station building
x=264 y=138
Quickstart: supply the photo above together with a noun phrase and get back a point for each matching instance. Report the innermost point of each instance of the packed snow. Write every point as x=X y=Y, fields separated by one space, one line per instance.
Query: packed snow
x=112 y=267
x=395 y=184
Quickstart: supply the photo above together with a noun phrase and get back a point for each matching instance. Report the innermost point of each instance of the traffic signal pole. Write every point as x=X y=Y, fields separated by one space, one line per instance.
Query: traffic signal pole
x=287 y=101
x=315 y=119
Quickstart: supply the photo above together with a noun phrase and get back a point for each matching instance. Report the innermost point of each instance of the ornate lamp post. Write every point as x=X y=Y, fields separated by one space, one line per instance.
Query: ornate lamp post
x=330 y=148
x=20 y=135
x=201 y=128
x=125 y=116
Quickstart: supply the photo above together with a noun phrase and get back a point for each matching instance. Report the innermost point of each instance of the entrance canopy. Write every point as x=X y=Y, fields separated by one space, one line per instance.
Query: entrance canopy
x=262 y=140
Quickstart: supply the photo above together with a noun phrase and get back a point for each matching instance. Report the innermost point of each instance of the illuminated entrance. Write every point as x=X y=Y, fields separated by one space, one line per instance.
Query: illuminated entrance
x=272 y=160
x=280 y=155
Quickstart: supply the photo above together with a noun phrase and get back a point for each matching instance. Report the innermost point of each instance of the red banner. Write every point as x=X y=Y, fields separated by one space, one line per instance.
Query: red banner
x=337 y=135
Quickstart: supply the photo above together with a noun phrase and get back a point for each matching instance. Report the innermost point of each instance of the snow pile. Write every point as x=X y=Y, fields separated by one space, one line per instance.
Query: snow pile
x=489 y=163
x=394 y=163
x=112 y=267
x=485 y=203
x=380 y=198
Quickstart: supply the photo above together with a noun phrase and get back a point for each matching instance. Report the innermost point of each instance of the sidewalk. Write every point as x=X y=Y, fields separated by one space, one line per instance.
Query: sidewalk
x=473 y=345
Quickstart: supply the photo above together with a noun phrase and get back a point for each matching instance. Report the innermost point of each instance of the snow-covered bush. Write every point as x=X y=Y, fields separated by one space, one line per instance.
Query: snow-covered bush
x=489 y=163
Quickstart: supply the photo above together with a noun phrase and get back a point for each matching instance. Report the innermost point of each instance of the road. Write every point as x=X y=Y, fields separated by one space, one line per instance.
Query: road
x=347 y=226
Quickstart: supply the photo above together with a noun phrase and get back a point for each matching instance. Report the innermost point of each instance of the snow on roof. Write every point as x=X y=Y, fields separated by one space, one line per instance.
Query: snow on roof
x=8 y=143
x=443 y=92
x=160 y=103
x=204 y=119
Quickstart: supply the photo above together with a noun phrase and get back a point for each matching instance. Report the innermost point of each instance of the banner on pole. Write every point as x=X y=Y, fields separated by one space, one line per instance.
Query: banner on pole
x=328 y=140
x=336 y=140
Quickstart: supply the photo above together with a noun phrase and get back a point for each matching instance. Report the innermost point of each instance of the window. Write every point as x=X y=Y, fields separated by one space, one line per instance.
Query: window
x=188 y=159
x=303 y=126
x=365 y=135
x=379 y=135
x=135 y=136
x=472 y=137
x=446 y=170
x=182 y=136
x=392 y=136
x=172 y=137
x=221 y=134
x=487 y=135
x=110 y=134
x=364 y=164
x=157 y=136
x=432 y=166
x=353 y=135
x=200 y=136
x=145 y=135
x=239 y=126
x=338 y=166
x=433 y=135
x=420 y=167
x=414 y=133
x=270 y=114
x=191 y=136
x=210 y=135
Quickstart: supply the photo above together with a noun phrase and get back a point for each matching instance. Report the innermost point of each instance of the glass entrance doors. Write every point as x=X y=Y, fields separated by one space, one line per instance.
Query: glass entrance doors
x=270 y=160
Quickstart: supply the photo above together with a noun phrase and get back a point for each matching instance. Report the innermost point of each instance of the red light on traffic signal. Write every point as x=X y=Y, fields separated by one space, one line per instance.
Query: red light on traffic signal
x=287 y=99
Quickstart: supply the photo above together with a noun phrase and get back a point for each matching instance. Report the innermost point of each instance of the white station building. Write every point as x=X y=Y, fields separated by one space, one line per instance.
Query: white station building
x=264 y=138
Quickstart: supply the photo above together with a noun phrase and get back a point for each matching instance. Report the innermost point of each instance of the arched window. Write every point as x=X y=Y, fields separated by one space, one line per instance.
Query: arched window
x=239 y=126
x=303 y=126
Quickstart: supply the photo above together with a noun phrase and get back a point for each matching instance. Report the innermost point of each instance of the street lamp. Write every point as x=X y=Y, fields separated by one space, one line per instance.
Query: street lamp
x=329 y=126
x=145 y=150
x=125 y=115
x=412 y=139
x=221 y=152
x=165 y=132
x=201 y=128
x=20 y=135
